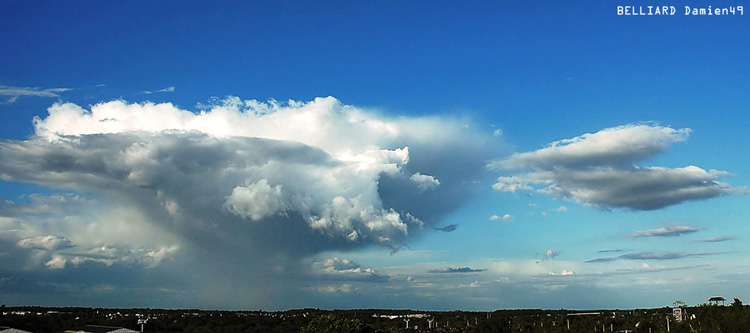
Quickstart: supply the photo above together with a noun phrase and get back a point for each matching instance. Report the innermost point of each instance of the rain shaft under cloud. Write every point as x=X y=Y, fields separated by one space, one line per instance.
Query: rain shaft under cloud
x=244 y=188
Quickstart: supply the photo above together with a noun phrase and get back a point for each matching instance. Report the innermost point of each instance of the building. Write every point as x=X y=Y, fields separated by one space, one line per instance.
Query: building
x=100 y=329
x=716 y=299
x=679 y=314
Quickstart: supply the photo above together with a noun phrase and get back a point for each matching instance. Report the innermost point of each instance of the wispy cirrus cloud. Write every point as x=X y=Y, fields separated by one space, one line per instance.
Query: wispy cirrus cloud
x=167 y=90
x=670 y=231
x=13 y=92
x=599 y=169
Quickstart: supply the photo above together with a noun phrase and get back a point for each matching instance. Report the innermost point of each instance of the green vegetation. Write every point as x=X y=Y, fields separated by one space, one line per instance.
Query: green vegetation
x=703 y=318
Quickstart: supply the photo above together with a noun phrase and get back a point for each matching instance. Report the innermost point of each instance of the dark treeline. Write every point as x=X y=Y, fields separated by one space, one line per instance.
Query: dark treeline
x=704 y=318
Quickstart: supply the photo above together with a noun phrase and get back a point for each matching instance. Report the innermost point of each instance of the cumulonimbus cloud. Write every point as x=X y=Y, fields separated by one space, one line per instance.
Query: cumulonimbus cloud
x=599 y=170
x=291 y=176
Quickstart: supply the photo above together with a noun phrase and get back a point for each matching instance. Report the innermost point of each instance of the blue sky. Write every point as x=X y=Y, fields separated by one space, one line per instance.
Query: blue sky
x=421 y=154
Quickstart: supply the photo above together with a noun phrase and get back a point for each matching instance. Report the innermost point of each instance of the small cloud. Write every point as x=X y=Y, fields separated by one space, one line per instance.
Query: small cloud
x=598 y=260
x=718 y=239
x=614 y=251
x=663 y=255
x=345 y=269
x=336 y=289
x=565 y=272
x=550 y=253
x=644 y=268
x=671 y=231
x=506 y=217
x=497 y=132
x=474 y=284
x=456 y=270
x=655 y=255
x=424 y=182
x=511 y=184
x=448 y=228
x=562 y=209
x=57 y=262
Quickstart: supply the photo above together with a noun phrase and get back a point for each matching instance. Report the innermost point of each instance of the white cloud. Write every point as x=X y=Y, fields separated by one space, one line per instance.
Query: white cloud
x=343 y=131
x=597 y=169
x=567 y=273
x=256 y=200
x=563 y=273
x=57 y=262
x=49 y=242
x=424 y=182
x=506 y=217
x=670 y=231
x=497 y=132
x=345 y=269
x=562 y=209
x=612 y=146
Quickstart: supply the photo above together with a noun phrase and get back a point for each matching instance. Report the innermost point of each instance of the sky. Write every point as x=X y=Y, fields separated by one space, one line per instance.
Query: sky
x=434 y=155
